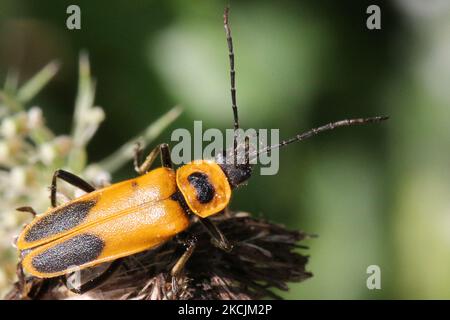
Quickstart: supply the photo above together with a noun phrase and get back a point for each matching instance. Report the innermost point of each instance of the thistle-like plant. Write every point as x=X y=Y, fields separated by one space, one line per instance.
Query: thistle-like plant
x=264 y=255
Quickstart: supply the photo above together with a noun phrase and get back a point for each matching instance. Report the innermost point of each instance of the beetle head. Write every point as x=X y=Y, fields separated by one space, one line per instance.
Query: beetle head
x=237 y=173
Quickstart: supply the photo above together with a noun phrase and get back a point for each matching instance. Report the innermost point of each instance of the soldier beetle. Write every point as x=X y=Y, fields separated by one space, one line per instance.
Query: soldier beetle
x=128 y=217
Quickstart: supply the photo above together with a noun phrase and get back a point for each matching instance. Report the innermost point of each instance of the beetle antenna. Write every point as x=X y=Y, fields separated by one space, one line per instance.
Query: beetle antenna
x=247 y=150
x=232 y=78
x=327 y=127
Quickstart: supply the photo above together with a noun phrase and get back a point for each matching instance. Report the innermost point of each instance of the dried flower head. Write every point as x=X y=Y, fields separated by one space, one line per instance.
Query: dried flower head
x=264 y=257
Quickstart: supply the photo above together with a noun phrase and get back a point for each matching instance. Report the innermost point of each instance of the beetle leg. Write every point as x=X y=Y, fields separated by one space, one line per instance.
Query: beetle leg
x=21 y=280
x=218 y=239
x=95 y=282
x=32 y=287
x=166 y=160
x=162 y=149
x=144 y=166
x=69 y=178
x=137 y=156
x=27 y=209
x=181 y=262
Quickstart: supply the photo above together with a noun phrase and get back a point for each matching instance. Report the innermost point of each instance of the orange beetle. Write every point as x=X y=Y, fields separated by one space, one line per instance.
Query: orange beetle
x=139 y=214
x=120 y=220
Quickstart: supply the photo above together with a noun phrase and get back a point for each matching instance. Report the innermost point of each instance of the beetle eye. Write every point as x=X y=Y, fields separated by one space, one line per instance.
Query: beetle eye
x=205 y=190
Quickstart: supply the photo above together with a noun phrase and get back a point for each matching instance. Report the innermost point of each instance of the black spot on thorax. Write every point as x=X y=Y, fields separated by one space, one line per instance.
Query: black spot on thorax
x=205 y=190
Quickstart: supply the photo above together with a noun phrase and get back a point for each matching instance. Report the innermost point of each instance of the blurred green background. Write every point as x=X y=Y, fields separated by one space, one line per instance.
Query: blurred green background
x=374 y=195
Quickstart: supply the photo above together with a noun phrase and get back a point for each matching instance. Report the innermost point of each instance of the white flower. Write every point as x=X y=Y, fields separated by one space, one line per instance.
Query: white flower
x=35 y=119
x=47 y=153
x=4 y=152
x=8 y=128
x=18 y=178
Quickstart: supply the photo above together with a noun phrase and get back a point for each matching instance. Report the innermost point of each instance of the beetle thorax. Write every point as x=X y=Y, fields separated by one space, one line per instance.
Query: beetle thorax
x=204 y=187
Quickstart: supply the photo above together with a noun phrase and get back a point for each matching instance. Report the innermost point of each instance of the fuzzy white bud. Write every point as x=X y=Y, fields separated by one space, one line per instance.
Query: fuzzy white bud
x=35 y=118
x=8 y=128
x=47 y=153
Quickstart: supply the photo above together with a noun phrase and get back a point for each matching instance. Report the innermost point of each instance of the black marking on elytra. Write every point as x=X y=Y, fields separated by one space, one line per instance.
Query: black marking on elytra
x=134 y=184
x=60 y=220
x=205 y=190
x=75 y=251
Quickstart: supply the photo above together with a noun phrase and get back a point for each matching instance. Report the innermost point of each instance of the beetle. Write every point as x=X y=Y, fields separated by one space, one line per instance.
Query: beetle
x=139 y=214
